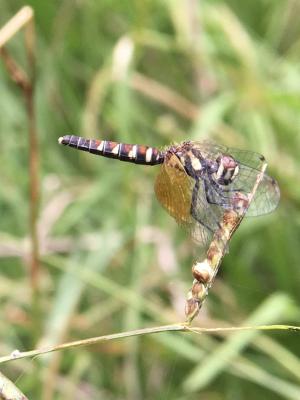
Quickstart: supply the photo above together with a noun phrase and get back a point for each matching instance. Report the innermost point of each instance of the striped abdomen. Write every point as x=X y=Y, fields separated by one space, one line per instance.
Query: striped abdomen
x=134 y=153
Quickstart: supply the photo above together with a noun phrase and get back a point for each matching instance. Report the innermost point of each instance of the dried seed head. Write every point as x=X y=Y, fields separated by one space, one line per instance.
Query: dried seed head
x=203 y=272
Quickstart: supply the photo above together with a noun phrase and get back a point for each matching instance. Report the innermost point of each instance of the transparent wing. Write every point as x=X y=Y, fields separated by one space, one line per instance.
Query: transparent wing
x=267 y=195
x=248 y=158
x=206 y=215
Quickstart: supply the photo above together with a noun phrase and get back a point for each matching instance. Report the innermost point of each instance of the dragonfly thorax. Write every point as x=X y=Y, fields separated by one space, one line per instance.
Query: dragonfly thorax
x=199 y=164
x=228 y=168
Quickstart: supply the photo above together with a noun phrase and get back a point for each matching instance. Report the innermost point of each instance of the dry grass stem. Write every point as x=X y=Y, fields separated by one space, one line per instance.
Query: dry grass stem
x=8 y=390
x=205 y=271
x=180 y=327
x=26 y=81
x=15 y=24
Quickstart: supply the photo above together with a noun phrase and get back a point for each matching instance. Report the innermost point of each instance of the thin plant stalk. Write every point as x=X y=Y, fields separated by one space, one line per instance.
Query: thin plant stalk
x=205 y=271
x=180 y=327
x=26 y=81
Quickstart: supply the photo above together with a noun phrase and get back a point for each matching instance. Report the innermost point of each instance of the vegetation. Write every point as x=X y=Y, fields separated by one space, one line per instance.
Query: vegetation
x=111 y=260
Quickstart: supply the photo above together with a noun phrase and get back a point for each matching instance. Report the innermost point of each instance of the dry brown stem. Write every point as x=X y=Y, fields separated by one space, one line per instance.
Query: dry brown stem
x=26 y=81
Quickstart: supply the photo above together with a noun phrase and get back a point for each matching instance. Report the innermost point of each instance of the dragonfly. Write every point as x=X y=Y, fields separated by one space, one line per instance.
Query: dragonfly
x=197 y=181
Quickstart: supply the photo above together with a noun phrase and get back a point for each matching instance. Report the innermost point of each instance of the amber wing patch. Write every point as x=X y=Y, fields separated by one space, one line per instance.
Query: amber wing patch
x=173 y=189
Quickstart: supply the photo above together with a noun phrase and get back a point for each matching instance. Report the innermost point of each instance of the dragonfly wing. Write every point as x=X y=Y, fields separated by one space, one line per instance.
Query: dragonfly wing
x=267 y=196
x=207 y=216
x=248 y=158
x=174 y=190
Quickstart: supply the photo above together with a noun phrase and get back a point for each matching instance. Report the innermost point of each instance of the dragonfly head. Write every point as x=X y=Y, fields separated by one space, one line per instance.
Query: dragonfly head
x=227 y=169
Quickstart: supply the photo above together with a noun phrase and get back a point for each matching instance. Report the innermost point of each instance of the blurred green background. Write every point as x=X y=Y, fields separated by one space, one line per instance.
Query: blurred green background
x=151 y=72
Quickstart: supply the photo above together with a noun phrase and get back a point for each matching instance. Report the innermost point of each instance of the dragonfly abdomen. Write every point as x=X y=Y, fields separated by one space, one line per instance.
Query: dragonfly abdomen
x=135 y=153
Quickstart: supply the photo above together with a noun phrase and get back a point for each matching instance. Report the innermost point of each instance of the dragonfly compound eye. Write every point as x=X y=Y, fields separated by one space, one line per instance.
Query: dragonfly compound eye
x=228 y=169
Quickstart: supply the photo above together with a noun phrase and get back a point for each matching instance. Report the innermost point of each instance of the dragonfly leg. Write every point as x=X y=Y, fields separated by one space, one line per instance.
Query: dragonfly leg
x=209 y=196
x=219 y=198
x=220 y=190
